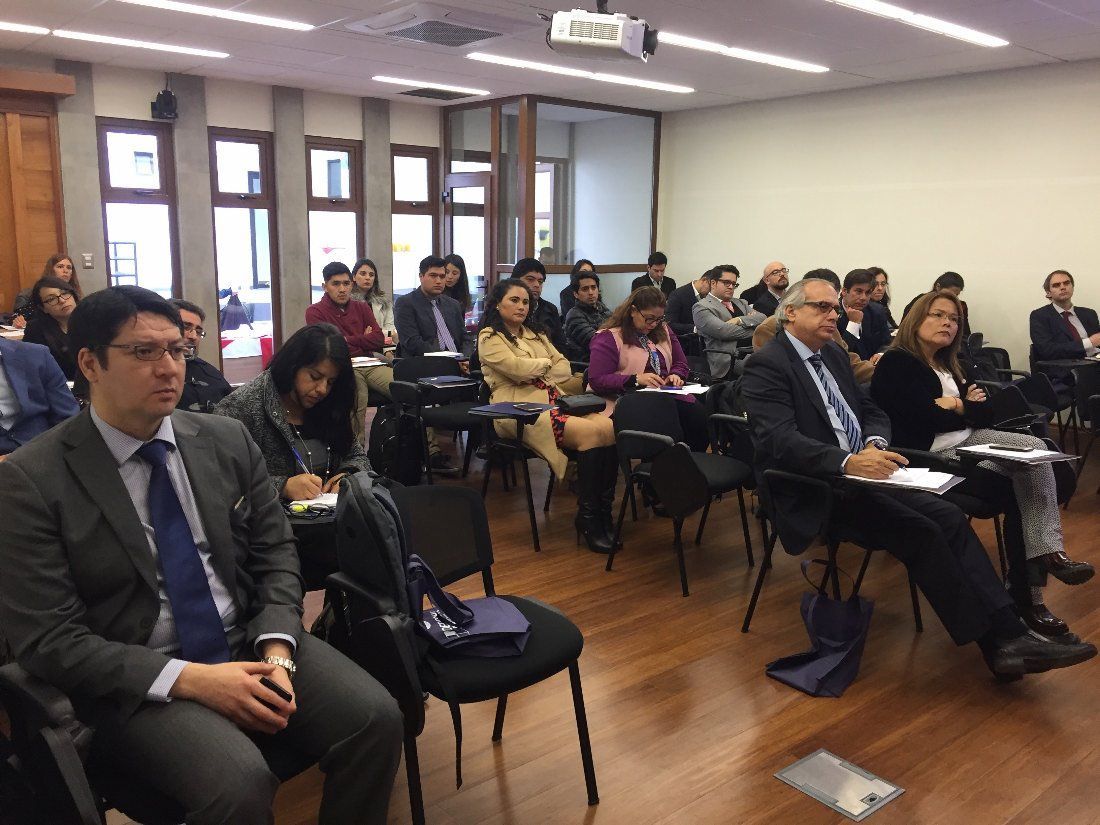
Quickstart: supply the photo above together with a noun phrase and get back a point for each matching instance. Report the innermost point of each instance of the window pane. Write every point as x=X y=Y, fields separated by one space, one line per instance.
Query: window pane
x=544 y=191
x=332 y=237
x=469 y=242
x=468 y=194
x=242 y=244
x=140 y=246
x=330 y=173
x=412 y=242
x=133 y=161
x=471 y=166
x=410 y=178
x=238 y=167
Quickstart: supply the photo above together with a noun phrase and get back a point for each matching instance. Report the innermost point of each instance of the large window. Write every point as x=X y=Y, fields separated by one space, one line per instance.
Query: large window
x=138 y=190
x=414 y=207
x=242 y=183
x=335 y=190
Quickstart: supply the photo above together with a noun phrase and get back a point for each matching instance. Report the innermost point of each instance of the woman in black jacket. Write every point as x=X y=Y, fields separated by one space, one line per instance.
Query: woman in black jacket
x=920 y=385
x=53 y=301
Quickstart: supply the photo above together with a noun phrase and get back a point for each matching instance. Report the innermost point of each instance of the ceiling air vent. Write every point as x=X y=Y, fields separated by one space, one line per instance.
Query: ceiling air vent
x=437 y=94
x=440 y=26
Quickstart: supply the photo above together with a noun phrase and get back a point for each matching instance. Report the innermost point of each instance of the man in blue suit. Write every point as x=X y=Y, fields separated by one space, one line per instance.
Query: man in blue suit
x=33 y=394
x=863 y=323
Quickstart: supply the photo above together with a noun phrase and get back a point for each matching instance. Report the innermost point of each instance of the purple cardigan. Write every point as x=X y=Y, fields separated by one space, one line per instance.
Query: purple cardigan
x=603 y=370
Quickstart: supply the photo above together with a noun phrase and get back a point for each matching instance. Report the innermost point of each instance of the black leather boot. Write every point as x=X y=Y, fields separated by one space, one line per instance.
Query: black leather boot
x=609 y=478
x=589 y=485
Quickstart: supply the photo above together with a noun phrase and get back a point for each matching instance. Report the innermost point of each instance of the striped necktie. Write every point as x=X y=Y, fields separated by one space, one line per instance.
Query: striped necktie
x=445 y=340
x=847 y=420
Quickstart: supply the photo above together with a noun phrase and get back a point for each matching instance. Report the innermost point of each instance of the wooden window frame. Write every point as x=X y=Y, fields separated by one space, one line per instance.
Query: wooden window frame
x=431 y=207
x=164 y=194
x=355 y=201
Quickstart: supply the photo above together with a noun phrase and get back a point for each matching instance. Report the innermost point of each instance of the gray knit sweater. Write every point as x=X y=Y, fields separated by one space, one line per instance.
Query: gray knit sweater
x=258 y=407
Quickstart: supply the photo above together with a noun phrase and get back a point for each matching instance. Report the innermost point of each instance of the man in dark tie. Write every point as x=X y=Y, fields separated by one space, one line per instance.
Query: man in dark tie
x=809 y=417
x=655 y=275
x=1060 y=330
x=724 y=322
x=426 y=319
x=152 y=576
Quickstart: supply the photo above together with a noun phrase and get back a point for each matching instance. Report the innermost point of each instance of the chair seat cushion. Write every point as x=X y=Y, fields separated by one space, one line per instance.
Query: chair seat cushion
x=722 y=472
x=554 y=643
x=454 y=416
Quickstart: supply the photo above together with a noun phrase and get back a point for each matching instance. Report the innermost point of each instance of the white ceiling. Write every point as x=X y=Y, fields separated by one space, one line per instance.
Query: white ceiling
x=860 y=49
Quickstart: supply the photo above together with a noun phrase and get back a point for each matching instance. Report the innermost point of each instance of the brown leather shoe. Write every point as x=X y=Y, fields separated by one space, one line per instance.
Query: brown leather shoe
x=1042 y=621
x=1065 y=569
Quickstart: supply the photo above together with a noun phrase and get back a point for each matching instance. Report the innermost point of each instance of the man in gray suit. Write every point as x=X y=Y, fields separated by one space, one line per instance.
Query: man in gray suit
x=723 y=322
x=150 y=574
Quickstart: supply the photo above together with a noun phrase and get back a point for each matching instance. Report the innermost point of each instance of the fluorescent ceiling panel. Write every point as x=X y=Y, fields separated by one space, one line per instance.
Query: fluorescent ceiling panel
x=603 y=77
x=741 y=54
x=21 y=28
x=423 y=84
x=240 y=17
x=922 y=21
x=137 y=44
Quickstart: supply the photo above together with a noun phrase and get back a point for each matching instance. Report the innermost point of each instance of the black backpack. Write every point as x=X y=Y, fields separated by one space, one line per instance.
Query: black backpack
x=395 y=447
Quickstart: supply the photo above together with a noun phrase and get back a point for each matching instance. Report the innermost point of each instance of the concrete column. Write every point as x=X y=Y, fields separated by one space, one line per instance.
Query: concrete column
x=195 y=219
x=80 y=176
x=290 y=200
x=377 y=202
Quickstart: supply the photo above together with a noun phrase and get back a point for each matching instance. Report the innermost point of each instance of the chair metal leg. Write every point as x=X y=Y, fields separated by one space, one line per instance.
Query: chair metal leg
x=549 y=492
x=487 y=472
x=530 y=503
x=917 y=621
x=678 y=529
x=1085 y=457
x=862 y=572
x=618 y=530
x=702 y=523
x=498 y=725
x=427 y=457
x=1001 y=551
x=1061 y=430
x=469 y=453
x=766 y=562
x=745 y=526
x=582 y=734
x=834 y=576
x=633 y=499
x=412 y=772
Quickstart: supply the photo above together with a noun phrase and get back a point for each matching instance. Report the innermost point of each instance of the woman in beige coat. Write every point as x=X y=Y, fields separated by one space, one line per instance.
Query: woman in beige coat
x=521 y=365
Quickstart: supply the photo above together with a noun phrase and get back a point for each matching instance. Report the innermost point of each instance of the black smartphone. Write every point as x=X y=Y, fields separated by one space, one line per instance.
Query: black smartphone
x=528 y=407
x=278 y=691
x=1009 y=449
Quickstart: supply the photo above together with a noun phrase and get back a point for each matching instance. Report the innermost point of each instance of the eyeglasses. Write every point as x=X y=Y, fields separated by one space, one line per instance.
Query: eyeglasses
x=726 y=282
x=939 y=315
x=823 y=307
x=199 y=331
x=650 y=319
x=783 y=271
x=148 y=352
x=53 y=299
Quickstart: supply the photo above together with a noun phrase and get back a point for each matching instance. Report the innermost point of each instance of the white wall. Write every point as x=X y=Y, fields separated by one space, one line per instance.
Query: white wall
x=125 y=93
x=413 y=124
x=552 y=139
x=334 y=116
x=995 y=176
x=232 y=104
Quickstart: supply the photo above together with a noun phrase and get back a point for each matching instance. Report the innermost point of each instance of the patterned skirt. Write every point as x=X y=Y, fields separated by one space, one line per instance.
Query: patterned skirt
x=557 y=417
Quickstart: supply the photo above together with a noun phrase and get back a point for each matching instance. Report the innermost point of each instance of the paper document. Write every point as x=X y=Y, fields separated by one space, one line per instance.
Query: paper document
x=915 y=478
x=1029 y=457
x=325 y=499
x=366 y=361
x=6 y=328
x=446 y=354
x=687 y=389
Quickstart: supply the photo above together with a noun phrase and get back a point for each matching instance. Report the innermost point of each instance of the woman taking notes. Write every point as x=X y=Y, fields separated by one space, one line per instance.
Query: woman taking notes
x=521 y=365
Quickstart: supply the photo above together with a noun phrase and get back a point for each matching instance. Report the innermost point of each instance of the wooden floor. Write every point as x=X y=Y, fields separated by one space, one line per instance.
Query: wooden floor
x=686 y=728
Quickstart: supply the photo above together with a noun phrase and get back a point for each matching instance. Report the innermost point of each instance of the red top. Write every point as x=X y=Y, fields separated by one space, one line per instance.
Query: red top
x=351 y=319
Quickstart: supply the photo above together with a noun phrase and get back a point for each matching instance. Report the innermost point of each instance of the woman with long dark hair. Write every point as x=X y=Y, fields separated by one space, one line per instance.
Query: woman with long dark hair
x=881 y=293
x=53 y=301
x=457 y=285
x=919 y=383
x=635 y=348
x=57 y=266
x=366 y=287
x=521 y=365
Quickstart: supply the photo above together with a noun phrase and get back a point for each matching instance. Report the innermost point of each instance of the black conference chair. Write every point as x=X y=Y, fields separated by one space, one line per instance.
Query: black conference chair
x=645 y=425
x=442 y=408
x=1087 y=390
x=449 y=529
x=60 y=784
x=820 y=492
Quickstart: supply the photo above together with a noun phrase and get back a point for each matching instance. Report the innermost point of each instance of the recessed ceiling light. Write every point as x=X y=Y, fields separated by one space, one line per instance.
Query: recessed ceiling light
x=22 y=29
x=922 y=21
x=423 y=84
x=564 y=70
x=137 y=44
x=240 y=17
x=741 y=54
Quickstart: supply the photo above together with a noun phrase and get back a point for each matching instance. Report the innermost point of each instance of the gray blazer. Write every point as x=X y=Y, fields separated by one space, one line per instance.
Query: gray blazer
x=711 y=320
x=78 y=594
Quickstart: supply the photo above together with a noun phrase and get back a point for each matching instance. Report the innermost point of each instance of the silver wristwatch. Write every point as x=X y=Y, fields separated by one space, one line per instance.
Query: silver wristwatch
x=286 y=664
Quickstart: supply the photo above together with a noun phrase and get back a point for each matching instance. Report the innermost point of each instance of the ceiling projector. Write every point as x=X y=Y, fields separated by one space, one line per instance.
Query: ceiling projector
x=600 y=35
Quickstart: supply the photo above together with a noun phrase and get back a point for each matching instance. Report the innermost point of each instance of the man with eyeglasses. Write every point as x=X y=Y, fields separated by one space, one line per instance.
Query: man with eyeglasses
x=152 y=577
x=724 y=322
x=809 y=417
x=765 y=296
x=203 y=385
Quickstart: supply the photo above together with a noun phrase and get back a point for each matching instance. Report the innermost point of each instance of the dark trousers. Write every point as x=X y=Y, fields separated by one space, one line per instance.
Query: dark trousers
x=345 y=720
x=934 y=541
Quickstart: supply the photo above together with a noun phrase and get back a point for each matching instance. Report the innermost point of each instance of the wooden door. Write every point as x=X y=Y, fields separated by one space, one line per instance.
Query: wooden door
x=31 y=227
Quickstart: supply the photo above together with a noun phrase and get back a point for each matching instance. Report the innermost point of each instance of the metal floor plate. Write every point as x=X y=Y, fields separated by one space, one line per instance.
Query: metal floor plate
x=844 y=787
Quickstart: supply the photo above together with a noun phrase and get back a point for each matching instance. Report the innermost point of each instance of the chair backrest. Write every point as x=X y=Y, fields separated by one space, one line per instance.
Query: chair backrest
x=649 y=412
x=975 y=342
x=448 y=528
x=425 y=366
x=678 y=481
x=1086 y=385
x=998 y=356
x=370 y=541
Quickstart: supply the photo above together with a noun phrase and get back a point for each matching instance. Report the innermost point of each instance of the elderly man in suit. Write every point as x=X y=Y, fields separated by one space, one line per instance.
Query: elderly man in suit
x=1061 y=330
x=724 y=322
x=808 y=416
x=33 y=394
x=426 y=319
x=152 y=576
